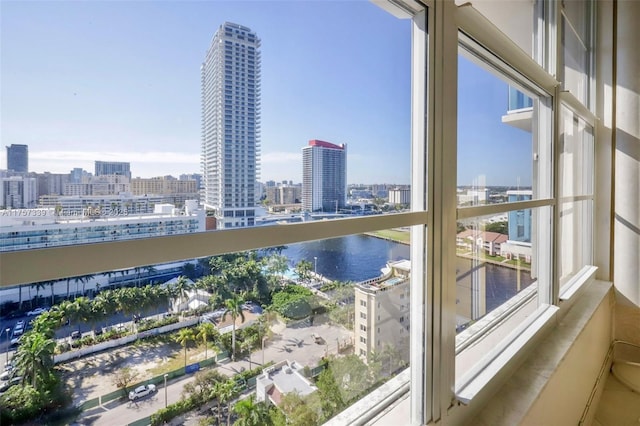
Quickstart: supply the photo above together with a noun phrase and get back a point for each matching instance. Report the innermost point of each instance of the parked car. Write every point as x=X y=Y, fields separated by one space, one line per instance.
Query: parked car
x=141 y=391
x=7 y=384
x=37 y=311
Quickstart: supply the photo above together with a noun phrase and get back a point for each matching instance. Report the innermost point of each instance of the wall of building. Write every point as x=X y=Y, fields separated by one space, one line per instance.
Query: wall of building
x=626 y=220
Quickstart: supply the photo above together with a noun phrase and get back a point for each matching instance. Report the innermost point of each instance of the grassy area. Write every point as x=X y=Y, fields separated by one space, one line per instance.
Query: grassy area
x=176 y=359
x=393 y=235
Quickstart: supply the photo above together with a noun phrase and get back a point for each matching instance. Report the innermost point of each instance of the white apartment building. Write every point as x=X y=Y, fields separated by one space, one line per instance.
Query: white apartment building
x=163 y=185
x=231 y=125
x=324 y=176
x=17 y=192
x=400 y=196
x=382 y=311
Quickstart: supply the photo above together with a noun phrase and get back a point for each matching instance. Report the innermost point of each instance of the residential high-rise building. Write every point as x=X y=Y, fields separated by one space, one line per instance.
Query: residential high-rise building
x=18 y=158
x=381 y=317
x=324 y=176
x=520 y=220
x=230 y=77
x=113 y=168
x=18 y=192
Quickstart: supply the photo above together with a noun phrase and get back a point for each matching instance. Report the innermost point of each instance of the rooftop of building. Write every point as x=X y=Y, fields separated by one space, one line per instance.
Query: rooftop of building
x=286 y=376
x=395 y=273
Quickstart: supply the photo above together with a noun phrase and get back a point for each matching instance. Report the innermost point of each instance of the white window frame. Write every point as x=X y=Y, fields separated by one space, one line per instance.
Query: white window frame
x=431 y=376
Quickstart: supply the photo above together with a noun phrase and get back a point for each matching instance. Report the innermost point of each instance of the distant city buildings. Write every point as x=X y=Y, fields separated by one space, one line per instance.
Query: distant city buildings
x=520 y=220
x=18 y=158
x=164 y=185
x=106 y=205
x=105 y=184
x=473 y=196
x=57 y=226
x=52 y=183
x=400 y=196
x=382 y=311
x=324 y=176
x=284 y=194
x=18 y=192
x=113 y=168
x=230 y=78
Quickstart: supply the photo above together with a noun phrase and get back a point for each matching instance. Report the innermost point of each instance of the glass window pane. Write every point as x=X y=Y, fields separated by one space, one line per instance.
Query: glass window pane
x=240 y=119
x=576 y=156
x=575 y=242
x=576 y=48
x=499 y=147
x=501 y=275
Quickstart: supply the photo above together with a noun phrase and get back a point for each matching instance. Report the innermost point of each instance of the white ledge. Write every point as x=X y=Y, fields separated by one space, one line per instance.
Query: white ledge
x=523 y=337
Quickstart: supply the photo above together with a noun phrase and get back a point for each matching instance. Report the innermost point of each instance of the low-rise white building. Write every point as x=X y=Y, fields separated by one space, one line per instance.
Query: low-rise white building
x=280 y=379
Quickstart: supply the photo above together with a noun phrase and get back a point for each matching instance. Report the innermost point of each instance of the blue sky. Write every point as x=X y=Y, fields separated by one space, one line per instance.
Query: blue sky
x=120 y=81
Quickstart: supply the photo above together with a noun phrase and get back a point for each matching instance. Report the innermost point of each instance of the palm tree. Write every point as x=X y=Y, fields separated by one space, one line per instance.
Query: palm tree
x=233 y=306
x=39 y=285
x=34 y=357
x=251 y=413
x=224 y=393
x=278 y=265
x=205 y=331
x=303 y=269
x=77 y=280
x=182 y=286
x=85 y=280
x=183 y=337
x=52 y=283
x=127 y=299
x=47 y=323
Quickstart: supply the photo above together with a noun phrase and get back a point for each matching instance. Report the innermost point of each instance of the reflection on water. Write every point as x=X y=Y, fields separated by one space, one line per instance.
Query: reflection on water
x=360 y=257
x=351 y=258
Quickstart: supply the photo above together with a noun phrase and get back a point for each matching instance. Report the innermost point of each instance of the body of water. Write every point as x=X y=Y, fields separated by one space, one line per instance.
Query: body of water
x=361 y=257
x=350 y=258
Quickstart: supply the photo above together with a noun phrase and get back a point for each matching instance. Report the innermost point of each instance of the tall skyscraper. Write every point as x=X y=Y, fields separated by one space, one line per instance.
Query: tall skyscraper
x=113 y=168
x=230 y=77
x=324 y=176
x=18 y=158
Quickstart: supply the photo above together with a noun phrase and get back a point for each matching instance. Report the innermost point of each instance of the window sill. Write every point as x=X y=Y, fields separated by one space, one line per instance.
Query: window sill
x=375 y=404
x=585 y=275
x=521 y=339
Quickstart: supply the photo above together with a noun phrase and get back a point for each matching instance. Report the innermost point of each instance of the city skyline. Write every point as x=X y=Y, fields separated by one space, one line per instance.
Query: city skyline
x=133 y=95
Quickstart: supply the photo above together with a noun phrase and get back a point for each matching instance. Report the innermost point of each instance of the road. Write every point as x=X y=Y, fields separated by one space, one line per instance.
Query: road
x=118 y=413
x=286 y=343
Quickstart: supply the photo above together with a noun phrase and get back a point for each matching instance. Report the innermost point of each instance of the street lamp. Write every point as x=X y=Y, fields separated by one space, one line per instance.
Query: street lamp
x=8 y=344
x=165 y=390
x=263 y=340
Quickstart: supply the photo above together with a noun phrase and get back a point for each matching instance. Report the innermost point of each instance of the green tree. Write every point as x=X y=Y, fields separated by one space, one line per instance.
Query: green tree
x=224 y=393
x=499 y=227
x=184 y=337
x=251 y=413
x=201 y=388
x=206 y=332
x=34 y=357
x=124 y=377
x=182 y=287
x=38 y=286
x=277 y=265
x=303 y=269
x=298 y=412
x=233 y=307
